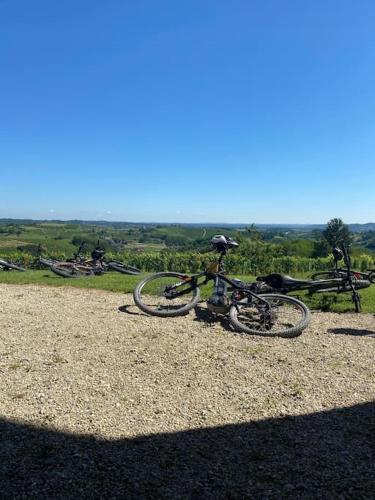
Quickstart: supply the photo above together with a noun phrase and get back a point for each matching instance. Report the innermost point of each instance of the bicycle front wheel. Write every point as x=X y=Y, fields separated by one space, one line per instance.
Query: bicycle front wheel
x=281 y=316
x=70 y=270
x=166 y=294
x=122 y=268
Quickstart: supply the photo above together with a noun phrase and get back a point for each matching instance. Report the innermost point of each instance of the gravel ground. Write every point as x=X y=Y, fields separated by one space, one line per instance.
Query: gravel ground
x=100 y=400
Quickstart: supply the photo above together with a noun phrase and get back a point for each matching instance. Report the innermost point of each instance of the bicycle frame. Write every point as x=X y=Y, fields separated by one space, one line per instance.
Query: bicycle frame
x=208 y=276
x=339 y=271
x=367 y=274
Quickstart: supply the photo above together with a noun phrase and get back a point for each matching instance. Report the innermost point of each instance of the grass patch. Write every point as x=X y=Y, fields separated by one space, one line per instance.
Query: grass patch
x=112 y=281
x=116 y=282
x=341 y=302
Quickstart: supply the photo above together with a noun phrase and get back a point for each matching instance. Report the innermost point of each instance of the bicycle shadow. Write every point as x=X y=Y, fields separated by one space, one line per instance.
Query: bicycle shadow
x=204 y=315
x=356 y=332
x=128 y=309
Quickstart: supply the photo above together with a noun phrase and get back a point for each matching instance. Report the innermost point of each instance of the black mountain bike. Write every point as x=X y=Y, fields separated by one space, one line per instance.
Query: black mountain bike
x=286 y=284
x=170 y=294
x=337 y=283
x=339 y=272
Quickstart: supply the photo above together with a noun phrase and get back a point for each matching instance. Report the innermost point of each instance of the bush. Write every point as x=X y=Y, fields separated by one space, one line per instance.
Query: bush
x=258 y=261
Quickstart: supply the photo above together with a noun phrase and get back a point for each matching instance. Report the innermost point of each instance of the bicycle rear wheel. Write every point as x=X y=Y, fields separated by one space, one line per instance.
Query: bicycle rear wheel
x=122 y=268
x=281 y=316
x=325 y=275
x=8 y=265
x=47 y=262
x=342 y=287
x=166 y=294
x=70 y=270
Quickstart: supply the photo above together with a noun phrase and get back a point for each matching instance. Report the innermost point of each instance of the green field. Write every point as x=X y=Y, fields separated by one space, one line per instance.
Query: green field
x=156 y=247
x=64 y=237
x=116 y=282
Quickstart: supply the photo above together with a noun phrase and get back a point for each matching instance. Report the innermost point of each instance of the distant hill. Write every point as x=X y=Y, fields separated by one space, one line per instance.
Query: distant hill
x=358 y=228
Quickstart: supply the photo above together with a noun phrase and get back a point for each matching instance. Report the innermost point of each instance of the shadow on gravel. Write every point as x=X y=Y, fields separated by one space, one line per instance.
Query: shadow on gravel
x=204 y=315
x=357 y=332
x=322 y=455
x=131 y=309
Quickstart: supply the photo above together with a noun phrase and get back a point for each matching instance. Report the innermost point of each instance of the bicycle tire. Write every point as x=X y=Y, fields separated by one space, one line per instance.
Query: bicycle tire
x=356 y=299
x=289 y=332
x=48 y=262
x=157 y=310
x=72 y=271
x=325 y=275
x=358 y=285
x=122 y=268
x=9 y=265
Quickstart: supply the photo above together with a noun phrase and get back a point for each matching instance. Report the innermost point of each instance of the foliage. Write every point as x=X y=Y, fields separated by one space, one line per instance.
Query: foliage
x=179 y=247
x=255 y=259
x=337 y=234
x=321 y=248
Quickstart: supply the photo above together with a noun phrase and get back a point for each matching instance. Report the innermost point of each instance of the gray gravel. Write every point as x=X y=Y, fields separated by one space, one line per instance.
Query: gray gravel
x=100 y=400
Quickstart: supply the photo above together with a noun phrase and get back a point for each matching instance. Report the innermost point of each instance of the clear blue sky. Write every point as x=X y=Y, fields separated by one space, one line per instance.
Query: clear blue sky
x=206 y=110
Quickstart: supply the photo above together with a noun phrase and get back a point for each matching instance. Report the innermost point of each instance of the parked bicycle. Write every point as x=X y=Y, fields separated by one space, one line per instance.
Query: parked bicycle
x=345 y=281
x=169 y=294
x=79 y=266
x=8 y=266
x=339 y=272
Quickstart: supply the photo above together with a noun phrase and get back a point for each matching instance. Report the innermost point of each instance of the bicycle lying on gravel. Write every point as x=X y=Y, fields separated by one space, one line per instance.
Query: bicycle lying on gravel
x=345 y=281
x=79 y=266
x=8 y=266
x=169 y=294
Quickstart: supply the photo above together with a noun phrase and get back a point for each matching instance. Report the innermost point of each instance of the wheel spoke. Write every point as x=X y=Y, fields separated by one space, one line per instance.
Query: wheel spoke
x=278 y=316
x=166 y=294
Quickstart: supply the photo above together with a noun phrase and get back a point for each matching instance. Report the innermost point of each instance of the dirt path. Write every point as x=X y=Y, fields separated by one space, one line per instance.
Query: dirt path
x=73 y=362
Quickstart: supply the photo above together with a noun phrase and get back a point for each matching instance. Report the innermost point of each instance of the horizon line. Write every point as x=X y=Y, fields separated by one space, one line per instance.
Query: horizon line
x=180 y=223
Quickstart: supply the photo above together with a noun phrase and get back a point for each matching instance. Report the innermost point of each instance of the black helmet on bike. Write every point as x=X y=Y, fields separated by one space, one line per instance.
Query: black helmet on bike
x=97 y=253
x=222 y=243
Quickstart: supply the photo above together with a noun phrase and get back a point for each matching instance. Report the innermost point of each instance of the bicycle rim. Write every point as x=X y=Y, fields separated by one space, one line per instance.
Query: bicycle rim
x=285 y=316
x=166 y=294
x=72 y=270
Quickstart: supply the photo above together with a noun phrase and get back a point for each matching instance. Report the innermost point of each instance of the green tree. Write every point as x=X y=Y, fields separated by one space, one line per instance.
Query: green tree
x=254 y=232
x=321 y=248
x=337 y=233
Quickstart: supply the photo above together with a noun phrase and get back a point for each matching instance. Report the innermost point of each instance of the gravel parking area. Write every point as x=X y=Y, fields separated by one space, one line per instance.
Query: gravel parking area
x=100 y=400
